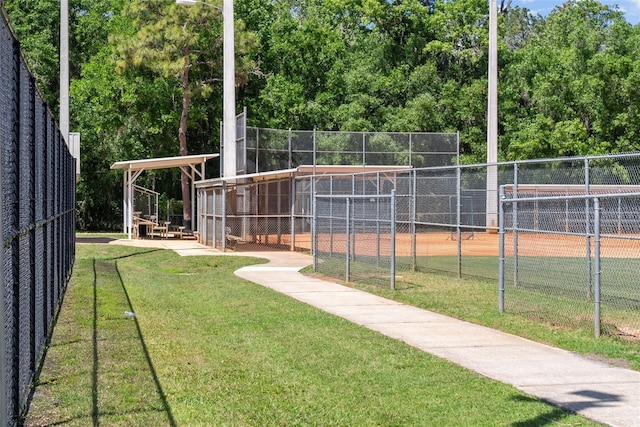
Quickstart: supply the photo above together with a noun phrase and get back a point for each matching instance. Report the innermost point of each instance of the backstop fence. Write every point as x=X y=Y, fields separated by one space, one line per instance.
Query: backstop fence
x=275 y=149
x=38 y=226
x=271 y=204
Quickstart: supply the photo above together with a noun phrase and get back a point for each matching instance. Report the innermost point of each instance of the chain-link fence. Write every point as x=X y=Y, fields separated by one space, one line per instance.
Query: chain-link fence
x=450 y=224
x=274 y=149
x=272 y=208
x=448 y=233
x=247 y=216
x=362 y=237
x=572 y=259
x=38 y=226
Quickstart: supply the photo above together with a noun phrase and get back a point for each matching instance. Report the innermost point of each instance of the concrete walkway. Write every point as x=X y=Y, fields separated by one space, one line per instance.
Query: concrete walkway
x=603 y=393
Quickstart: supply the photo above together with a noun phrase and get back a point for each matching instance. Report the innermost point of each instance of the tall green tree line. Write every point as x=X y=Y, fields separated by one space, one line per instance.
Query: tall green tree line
x=568 y=82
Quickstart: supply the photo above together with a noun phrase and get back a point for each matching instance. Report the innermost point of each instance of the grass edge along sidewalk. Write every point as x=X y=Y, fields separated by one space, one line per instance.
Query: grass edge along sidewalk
x=207 y=348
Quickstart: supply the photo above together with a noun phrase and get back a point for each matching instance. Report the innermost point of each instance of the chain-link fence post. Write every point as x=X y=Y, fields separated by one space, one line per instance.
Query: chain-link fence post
x=501 y=252
x=331 y=218
x=587 y=231
x=392 y=251
x=414 y=237
x=458 y=221
x=314 y=231
x=596 y=297
x=514 y=208
x=347 y=240
x=223 y=203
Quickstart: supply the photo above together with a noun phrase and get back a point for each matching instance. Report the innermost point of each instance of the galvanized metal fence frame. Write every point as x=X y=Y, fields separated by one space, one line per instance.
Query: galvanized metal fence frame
x=38 y=227
x=585 y=178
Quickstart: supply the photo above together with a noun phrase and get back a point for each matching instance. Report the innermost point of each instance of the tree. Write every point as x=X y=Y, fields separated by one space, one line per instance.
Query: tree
x=556 y=88
x=183 y=45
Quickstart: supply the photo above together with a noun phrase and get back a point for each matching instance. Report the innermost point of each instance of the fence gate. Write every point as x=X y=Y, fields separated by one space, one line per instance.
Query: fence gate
x=355 y=234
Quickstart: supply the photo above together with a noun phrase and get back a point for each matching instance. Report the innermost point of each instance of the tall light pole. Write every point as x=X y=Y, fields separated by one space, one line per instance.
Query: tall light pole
x=492 y=121
x=229 y=85
x=64 y=70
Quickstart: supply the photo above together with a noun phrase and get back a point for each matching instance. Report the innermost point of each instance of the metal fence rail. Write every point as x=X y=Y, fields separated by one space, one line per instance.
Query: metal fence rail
x=38 y=226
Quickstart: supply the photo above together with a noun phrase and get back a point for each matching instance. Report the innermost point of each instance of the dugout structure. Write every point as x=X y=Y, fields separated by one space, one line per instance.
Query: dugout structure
x=269 y=203
x=269 y=210
x=137 y=200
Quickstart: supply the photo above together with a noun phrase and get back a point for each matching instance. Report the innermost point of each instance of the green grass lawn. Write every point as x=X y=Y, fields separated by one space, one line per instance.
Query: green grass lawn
x=207 y=348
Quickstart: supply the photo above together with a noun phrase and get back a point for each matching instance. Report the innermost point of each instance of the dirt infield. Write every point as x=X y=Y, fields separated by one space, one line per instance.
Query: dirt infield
x=471 y=244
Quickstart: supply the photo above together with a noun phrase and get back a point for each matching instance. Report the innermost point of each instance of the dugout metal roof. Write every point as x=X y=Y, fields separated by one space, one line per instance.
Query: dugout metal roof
x=164 y=162
x=133 y=168
x=303 y=170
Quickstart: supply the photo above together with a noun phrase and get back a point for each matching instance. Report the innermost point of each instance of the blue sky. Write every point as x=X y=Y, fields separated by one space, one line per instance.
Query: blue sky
x=631 y=8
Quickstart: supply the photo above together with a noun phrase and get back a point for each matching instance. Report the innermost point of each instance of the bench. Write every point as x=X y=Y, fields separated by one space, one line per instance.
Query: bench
x=163 y=229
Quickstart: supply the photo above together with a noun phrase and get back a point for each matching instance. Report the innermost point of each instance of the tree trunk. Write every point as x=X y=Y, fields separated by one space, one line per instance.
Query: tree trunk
x=182 y=136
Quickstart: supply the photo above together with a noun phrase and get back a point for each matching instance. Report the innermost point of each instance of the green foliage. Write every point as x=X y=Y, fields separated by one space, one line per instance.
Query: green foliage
x=568 y=82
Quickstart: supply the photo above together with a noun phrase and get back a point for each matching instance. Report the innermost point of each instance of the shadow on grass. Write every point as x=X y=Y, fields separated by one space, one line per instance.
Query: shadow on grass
x=96 y=412
x=593 y=399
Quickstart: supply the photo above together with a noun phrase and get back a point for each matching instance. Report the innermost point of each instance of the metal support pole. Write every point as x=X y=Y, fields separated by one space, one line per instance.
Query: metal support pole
x=410 y=149
x=501 y=253
x=347 y=272
x=124 y=203
x=292 y=224
x=393 y=240
x=414 y=242
x=314 y=230
x=64 y=70
x=223 y=207
x=458 y=218
x=290 y=150
x=492 y=119
x=515 y=224
x=587 y=231
x=315 y=153
x=331 y=217
x=596 y=299
x=229 y=89
x=378 y=231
